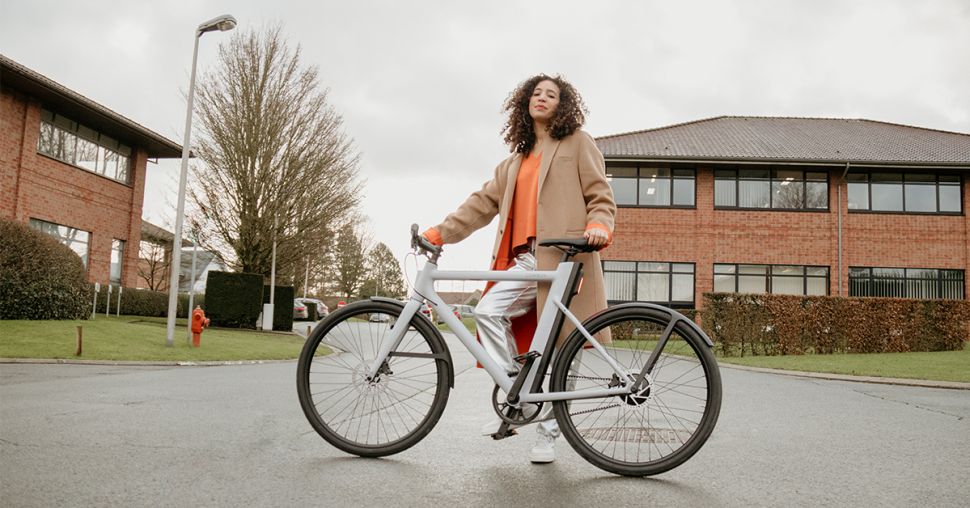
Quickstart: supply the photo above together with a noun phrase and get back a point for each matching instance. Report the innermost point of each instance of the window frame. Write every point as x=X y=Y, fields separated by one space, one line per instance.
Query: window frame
x=902 y=183
x=121 y=261
x=639 y=167
x=904 y=280
x=636 y=272
x=771 y=180
x=66 y=127
x=31 y=221
x=769 y=274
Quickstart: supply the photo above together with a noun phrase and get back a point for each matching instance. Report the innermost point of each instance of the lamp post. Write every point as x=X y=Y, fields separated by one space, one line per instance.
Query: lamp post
x=268 y=308
x=195 y=246
x=223 y=23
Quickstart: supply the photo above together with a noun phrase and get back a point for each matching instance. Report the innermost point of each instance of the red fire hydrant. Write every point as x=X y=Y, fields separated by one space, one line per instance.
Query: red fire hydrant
x=199 y=322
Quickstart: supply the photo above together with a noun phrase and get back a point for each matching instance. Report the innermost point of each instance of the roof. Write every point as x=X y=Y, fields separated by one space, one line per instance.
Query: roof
x=83 y=110
x=157 y=234
x=786 y=139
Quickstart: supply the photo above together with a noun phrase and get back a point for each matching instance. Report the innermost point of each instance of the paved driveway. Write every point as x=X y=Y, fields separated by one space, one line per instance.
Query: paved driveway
x=228 y=436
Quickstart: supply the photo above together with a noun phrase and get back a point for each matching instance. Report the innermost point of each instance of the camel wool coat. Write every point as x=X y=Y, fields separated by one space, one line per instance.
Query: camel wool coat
x=573 y=194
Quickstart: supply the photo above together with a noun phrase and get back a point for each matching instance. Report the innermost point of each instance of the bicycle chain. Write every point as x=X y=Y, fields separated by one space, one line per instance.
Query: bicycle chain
x=591 y=378
x=595 y=409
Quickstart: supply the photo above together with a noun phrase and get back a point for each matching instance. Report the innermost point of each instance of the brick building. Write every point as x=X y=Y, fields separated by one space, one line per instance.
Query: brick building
x=788 y=205
x=76 y=170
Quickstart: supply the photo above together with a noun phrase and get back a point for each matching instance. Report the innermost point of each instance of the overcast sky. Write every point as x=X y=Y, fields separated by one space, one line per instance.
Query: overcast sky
x=420 y=84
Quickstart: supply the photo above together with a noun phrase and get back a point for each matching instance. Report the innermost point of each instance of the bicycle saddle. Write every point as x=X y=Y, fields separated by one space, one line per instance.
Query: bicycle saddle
x=566 y=244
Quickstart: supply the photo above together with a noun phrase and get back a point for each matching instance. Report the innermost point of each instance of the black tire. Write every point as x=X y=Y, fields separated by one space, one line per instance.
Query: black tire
x=656 y=430
x=372 y=419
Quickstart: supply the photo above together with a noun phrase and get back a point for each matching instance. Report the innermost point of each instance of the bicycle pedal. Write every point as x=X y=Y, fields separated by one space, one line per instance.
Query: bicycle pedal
x=498 y=436
x=523 y=358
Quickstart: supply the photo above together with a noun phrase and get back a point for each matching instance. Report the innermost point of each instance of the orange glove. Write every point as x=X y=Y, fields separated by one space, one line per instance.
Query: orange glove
x=433 y=236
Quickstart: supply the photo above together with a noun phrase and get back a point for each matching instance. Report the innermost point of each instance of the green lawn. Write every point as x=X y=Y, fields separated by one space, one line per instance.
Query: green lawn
x=469 y=323
x=939 y=366
x=141 y=339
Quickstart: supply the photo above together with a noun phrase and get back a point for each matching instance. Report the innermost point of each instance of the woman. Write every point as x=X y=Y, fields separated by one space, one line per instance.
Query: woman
x=552 y=186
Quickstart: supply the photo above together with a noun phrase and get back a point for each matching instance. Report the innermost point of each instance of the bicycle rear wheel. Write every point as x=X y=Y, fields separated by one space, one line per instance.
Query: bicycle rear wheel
x=655 y=429
x=372 y=418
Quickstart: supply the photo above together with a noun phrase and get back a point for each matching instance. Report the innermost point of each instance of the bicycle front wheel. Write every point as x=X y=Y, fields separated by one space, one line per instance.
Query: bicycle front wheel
x=380 y=417
x=654 y=429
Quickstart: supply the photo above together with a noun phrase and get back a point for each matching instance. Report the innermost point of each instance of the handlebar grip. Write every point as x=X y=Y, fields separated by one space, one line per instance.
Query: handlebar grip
x=419 y=241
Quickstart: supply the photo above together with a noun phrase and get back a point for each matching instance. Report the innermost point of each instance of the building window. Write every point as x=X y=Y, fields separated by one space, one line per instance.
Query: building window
x=777 y=279
x=904 y=192
x=665 y=283
x=73 y=143
x=117 y=259
x=76 y=239
x=920 y=283
x=652 y=186
x=785 y=189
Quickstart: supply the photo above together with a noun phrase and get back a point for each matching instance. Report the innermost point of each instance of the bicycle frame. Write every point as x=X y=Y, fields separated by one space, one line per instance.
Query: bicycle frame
x=547 y=329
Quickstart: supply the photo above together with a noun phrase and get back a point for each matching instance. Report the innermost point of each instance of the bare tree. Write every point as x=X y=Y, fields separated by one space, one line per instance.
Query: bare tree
x=277 y=163
x=153 y=264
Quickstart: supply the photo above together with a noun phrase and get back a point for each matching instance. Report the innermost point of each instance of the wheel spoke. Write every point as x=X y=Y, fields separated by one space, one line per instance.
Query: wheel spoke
x=649 y=431
x=378 y=417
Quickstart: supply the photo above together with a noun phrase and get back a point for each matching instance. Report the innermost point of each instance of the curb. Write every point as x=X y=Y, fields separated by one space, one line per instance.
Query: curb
x=922 y=383
x=131 y=363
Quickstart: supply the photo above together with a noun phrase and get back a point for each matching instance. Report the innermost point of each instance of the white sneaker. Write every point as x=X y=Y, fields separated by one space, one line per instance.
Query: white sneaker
x=544 y=450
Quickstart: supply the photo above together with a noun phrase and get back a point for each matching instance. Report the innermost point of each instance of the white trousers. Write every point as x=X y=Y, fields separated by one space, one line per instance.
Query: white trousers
x=505 y=301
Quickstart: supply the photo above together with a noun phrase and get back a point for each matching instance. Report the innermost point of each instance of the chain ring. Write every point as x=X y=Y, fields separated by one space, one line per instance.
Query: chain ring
x=517 y=417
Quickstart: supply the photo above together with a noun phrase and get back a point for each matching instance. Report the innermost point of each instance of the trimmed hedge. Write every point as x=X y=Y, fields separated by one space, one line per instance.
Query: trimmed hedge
x=145 y=302
x=282 y=306
x=765 y=324
x=40 y=278
x=233 y=299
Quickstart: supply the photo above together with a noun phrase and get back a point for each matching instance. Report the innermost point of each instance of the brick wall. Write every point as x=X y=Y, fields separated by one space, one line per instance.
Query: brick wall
x=706 y=236
x=36 y=186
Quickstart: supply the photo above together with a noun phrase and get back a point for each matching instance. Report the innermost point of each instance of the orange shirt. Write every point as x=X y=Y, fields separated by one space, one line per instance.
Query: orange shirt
x=525 y=201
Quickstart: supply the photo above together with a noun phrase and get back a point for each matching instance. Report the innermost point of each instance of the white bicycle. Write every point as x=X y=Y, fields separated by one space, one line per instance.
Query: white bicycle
x=641 y=403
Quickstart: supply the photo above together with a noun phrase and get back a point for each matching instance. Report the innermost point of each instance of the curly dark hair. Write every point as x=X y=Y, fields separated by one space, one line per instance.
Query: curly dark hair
x=519 y=131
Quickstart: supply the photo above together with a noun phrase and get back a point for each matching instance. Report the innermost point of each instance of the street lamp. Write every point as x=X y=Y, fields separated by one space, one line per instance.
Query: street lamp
x=223 y=23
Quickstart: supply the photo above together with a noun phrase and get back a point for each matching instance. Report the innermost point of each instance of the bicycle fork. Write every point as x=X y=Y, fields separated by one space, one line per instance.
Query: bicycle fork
x=398 y=330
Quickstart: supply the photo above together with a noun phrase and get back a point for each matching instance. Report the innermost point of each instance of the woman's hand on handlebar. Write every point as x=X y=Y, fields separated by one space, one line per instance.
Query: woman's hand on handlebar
x=596 y=237
x=433 y=236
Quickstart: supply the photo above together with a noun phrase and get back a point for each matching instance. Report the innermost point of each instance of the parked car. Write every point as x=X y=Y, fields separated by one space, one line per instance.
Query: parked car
x=322 y=309
x=465 y=310
x=299 y=310
x=453 y=310
x=426 y=310
x=377 y=317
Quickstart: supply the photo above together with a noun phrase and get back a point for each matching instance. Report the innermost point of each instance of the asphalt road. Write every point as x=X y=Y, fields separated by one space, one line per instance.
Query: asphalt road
x=81 y=435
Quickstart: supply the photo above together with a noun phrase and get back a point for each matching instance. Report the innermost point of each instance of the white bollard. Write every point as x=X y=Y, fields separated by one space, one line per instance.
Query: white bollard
x=267 y=316
x=94 y=307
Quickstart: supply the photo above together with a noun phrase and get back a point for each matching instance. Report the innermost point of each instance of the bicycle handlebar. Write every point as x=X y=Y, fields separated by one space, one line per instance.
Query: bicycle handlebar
x=569 y=246
x=418 y=241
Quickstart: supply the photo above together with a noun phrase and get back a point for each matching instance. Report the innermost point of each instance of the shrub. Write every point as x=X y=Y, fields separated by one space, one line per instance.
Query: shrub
x=233 y=299
x=40 y=278
x=762 y=324
x=282 y=306
x=183 y=309
x=145 y=302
